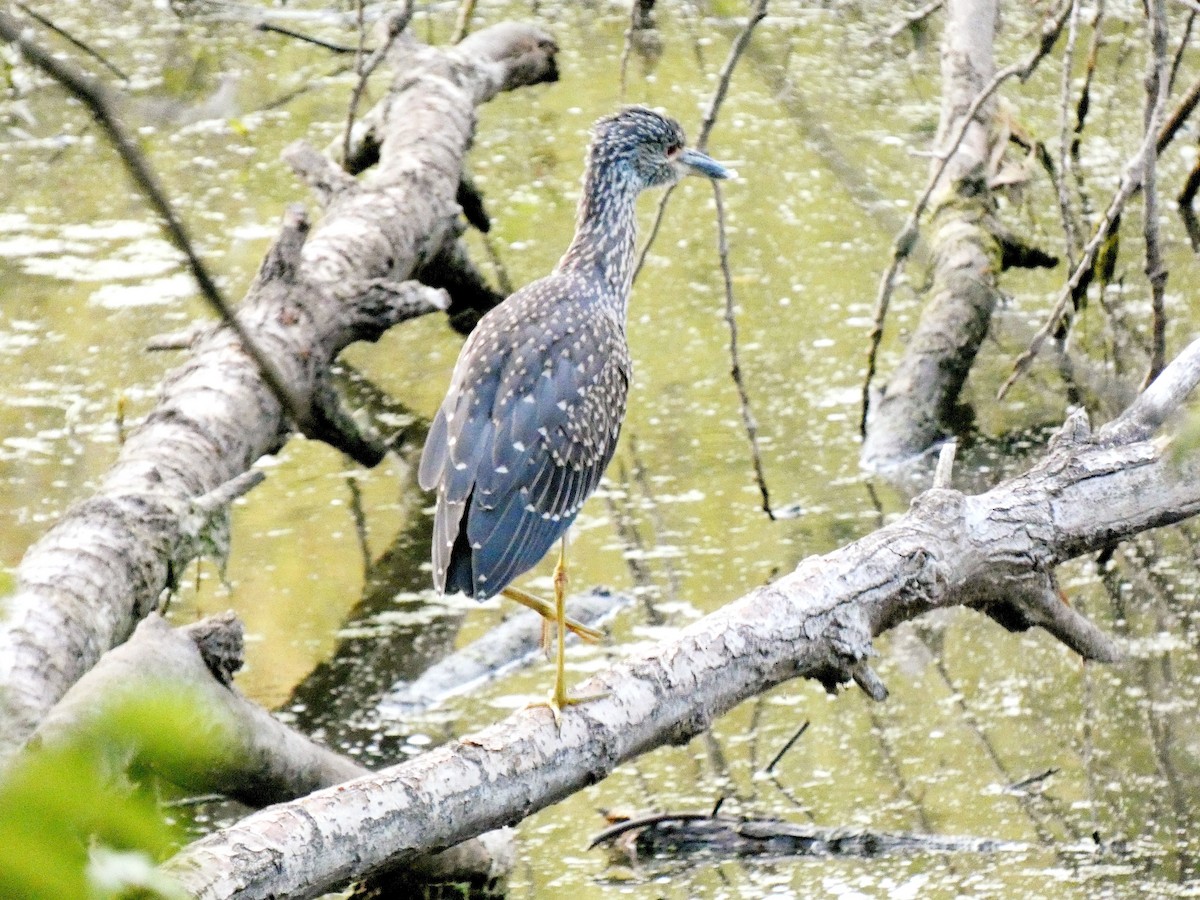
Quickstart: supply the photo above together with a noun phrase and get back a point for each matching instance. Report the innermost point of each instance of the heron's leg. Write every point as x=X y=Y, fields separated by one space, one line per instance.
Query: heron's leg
x=559 y=698
x=560 y=619
x=546 y=610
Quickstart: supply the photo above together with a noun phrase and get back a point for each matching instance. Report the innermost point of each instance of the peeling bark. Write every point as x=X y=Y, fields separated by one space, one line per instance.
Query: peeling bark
x=995 y=552
x=910 y=413
x=85 y=585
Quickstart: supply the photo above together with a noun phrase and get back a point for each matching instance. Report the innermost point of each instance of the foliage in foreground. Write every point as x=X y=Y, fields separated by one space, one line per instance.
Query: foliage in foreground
x=72 y=825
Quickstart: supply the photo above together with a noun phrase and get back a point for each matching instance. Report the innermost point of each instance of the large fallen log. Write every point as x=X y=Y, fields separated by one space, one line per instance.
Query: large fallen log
x=995 y=552
x=86 y=584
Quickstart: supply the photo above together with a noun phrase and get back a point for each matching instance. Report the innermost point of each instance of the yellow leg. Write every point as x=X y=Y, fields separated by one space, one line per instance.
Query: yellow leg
x=559 y=697
x=546 y=611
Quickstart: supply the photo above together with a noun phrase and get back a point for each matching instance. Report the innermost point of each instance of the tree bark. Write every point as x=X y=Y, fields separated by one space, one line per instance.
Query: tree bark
x=910 y=413
x=84 y=586
x=995 y=552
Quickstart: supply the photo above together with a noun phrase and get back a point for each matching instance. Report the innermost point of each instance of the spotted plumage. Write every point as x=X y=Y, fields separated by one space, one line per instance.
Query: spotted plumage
x=537 y=397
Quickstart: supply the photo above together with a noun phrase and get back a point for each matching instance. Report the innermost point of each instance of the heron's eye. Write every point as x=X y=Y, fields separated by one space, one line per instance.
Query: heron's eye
x=673 y=148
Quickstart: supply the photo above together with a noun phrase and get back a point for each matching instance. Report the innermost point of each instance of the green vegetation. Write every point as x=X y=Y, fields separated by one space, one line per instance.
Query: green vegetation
x=72 y=825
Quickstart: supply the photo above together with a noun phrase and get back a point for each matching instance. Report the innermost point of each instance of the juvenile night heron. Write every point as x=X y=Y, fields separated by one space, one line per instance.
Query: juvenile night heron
x=537 y=397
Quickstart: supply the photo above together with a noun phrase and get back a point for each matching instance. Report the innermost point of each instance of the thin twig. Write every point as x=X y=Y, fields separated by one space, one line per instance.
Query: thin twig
x=1082 y=105
x=633 y=548
x=785 y=748
x=658 y=220
x=360 y=523
x=462 y=24
x=907 y=238
x=396 y=24
x=967 y=714
x=1131 y=180
x=72 y=40
x=1070 y=230
x=710 y=116
x=1033 y=780
x=757 y=14
x=307 y=38
x=627 y=46
x=498 y=268
x=641 y=477
x=361 y=85
x=1177 y=61
x=1178 y=116
x=892 y=764
x=1158 y=84
x=95 y=97
x=735 y=368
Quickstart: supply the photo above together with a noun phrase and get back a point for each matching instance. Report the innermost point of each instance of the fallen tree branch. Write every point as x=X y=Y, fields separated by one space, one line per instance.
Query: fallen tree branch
x=515 y=641
x=948 y=154
x=84 y=586
x=676 y=835
x=909 y=414
x=258 y=760
x=262 y=760
x=995 y=552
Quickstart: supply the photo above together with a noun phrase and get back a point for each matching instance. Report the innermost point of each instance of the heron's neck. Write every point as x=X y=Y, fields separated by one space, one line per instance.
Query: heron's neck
x=602 y=250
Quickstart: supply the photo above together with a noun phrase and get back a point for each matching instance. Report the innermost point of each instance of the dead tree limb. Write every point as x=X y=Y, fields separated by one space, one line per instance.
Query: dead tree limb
x=258 y=760
x=262 y=760
x=906 y=416
x=995 y=552
x=946 y=333
x=84 y=586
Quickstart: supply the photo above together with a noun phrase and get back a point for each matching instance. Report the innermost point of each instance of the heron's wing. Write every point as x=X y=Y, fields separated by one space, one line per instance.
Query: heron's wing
x=530 y=422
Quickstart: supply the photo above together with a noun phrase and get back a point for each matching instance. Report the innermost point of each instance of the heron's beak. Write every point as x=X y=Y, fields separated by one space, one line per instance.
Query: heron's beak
x=693 y=162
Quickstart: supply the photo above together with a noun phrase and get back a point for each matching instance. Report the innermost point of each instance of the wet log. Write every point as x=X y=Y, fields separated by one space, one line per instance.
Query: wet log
x=86 y=584
x=995 y=552
x=671 y=836
x=910 y=413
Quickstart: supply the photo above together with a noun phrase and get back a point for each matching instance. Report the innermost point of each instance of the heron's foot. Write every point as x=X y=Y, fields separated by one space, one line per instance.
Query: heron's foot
x=558 y=700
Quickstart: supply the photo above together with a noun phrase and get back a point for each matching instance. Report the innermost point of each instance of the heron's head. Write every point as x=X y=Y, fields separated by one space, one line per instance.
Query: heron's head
x=652 y=146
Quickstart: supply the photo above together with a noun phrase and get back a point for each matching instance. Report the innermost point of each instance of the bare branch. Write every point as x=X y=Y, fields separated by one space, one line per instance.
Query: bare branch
x=1070 y=226
x=916 y=17
x=393 y=26
x=462 y=25
x=308 y=39
x=1156 y=403
x=1158 y=84
x=72 y=40
x=757 y=14
x=735 y=369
